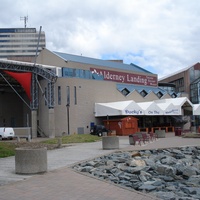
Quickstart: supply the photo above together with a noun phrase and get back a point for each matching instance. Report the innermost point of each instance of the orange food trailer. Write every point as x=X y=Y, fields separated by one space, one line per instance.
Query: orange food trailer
x=122 y=127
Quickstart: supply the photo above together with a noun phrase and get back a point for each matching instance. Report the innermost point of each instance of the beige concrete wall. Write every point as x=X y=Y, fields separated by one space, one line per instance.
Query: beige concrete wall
x=81 y=115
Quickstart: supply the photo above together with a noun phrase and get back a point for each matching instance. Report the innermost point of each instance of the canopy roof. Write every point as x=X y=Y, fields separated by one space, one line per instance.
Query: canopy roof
x=173 y=106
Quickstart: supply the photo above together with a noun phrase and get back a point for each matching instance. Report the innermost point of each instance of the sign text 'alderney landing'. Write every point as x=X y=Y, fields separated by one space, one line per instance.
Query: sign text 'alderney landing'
x=126 y=77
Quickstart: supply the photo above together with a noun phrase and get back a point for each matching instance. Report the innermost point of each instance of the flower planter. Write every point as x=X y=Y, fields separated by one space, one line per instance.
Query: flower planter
x=30 y=160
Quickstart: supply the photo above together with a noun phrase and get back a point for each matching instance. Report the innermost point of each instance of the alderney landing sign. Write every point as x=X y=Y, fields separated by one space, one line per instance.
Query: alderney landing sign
x=122 y=77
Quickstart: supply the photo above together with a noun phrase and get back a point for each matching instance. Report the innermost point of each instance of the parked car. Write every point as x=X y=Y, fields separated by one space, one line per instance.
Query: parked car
x=6 y=133
x=98 y=130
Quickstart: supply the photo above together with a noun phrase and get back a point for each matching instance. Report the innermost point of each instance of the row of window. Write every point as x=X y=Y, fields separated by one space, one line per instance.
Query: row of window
x=81 y=73
x=195 y=93
x=179 y=85
x=17 y=51
x=59 y=97
x=169 y=89
x=19 y=41
x=19 y=46
x=18 y=30
x=144 y=93
x=22 y=35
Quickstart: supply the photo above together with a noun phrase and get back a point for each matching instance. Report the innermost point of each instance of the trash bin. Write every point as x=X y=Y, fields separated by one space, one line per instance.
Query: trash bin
x=178 y=131
x=131 y=141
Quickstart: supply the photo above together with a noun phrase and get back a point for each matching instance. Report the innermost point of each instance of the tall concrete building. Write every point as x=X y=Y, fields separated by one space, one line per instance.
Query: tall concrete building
x=21 y=43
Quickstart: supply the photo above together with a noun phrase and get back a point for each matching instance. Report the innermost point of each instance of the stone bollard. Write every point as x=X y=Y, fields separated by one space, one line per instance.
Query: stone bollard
x=59 y=142
x=110 y=142
x=30 y=160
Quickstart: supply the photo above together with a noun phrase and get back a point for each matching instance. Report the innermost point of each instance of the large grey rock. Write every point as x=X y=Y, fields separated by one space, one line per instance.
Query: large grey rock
x=170 y=174
x=166 y=170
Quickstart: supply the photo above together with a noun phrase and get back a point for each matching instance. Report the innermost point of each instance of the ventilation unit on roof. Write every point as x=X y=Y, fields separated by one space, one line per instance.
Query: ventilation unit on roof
x=143 y=93
x=159 y=94
x=125 y=91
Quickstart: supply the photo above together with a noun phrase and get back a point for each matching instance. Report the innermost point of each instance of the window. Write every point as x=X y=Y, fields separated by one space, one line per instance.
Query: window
x=174 y=95
x=143 y=93
x=75 y=96
x=125 y=91
x=159 y=94
x=59 y=95
x=68 y=95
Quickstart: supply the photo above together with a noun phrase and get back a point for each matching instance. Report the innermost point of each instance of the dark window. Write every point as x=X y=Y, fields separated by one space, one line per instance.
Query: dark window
x=143 y=93
x=125 y=91
x=59 y=95
x=159 y=94
x=68 y=95
x=75 y=96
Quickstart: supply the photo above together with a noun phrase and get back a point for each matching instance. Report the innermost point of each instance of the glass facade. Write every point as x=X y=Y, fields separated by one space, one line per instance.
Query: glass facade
x=195 y=91
x=179 y=85
x=80 y=73
x=194 y=74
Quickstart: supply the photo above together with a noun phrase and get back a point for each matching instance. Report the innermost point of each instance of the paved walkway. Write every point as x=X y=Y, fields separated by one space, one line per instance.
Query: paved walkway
x=61 y=182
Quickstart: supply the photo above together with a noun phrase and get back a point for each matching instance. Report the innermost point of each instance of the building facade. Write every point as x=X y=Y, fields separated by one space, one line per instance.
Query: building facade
x=68 y=94
x=21 y=43
x=82 y=82
x=187 y=83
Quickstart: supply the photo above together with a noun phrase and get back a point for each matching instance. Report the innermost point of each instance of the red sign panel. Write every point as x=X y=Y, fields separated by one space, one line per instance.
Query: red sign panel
x=123 y=77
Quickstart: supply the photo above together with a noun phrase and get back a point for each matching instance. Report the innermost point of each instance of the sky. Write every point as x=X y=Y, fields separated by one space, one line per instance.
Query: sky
x=161 y=36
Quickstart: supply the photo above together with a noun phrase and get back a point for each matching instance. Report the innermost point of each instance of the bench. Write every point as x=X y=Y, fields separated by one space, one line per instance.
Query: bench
x=24 y=132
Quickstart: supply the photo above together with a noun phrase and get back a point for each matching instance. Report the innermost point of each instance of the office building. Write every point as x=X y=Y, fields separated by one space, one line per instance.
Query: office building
x=21 y=43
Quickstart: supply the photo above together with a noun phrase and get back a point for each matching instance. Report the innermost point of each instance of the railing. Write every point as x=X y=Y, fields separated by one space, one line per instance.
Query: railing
x=41 y=132
x=152 y=129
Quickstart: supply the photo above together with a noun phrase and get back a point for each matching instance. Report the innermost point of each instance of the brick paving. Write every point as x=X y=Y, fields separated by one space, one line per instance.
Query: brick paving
x=64 y=183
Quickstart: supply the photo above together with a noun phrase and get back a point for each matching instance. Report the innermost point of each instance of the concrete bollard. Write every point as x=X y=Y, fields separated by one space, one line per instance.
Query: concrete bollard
x=110 y=142
x=59 y=142
x=30 y=160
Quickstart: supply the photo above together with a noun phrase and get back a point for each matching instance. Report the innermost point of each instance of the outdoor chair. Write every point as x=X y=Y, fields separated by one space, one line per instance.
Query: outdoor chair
x=152 y=136
x=145 y=137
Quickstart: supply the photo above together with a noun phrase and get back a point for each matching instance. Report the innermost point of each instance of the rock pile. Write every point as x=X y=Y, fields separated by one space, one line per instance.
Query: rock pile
x=169 y=174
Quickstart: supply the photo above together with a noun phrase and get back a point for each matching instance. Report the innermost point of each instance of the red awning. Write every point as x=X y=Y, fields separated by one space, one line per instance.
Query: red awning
x=24 y=78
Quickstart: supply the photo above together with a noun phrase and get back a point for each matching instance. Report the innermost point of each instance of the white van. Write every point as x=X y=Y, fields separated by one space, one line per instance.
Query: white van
x=6 y=133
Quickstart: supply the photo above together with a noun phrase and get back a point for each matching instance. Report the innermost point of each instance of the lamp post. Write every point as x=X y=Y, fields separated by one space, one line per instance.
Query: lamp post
x=68 y=118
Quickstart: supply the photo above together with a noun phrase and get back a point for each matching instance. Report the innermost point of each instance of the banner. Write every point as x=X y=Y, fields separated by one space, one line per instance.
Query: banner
x=24 y=78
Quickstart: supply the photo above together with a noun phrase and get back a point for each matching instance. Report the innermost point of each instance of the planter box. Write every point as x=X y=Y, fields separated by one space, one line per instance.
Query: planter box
x=30 y=160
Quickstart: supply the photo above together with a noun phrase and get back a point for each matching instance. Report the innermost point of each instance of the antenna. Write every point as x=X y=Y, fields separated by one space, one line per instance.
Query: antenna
x=25 y=18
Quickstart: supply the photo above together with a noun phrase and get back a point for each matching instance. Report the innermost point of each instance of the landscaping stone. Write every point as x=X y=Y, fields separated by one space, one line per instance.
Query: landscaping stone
x=168 y=174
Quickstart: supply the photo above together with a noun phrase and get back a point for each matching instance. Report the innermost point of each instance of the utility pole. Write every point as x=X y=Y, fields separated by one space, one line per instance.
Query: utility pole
x=25 y=20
